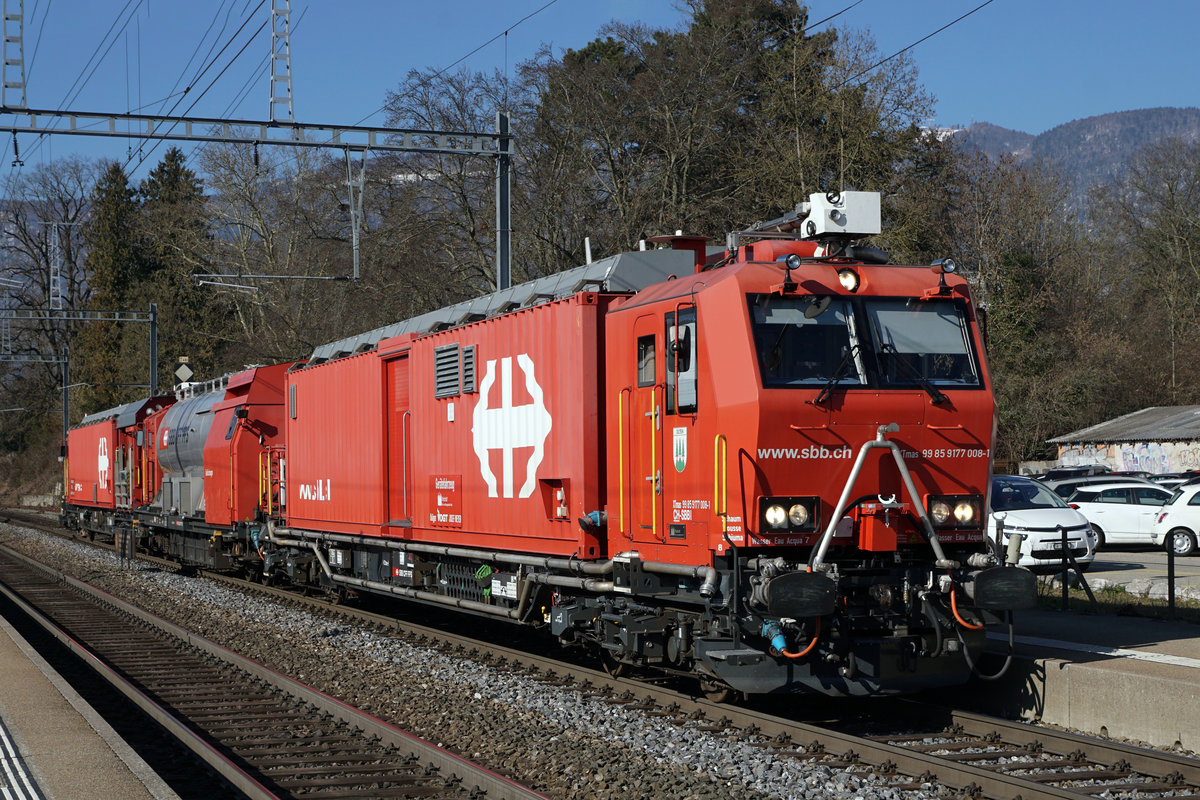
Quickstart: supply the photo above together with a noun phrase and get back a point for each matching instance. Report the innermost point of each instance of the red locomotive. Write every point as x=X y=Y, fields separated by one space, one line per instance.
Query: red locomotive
x=766 y=467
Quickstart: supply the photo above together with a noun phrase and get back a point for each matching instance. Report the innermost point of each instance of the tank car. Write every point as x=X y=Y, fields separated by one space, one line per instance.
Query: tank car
x=764 y=465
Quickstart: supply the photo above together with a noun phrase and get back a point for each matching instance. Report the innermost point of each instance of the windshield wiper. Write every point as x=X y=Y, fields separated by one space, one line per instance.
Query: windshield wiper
x=847 y=360
x=915 y=374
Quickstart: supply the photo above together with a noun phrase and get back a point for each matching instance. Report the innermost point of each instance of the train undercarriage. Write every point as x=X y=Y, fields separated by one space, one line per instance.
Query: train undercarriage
x=891 y=623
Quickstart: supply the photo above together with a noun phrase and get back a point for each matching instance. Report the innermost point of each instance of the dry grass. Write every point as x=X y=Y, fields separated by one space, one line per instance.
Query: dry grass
x=1114 y=600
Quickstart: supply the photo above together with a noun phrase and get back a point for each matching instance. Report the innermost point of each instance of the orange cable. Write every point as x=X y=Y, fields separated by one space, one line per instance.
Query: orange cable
x=807 y=650
x=954 y=607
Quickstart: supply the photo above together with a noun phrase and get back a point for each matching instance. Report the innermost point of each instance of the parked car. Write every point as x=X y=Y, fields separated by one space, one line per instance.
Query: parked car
x=1032 y=509
x=1120 y=512
x=1065 y=487
x=1171 y=480
x=1178 y=521
x=1168 y=479
x=1078 y=471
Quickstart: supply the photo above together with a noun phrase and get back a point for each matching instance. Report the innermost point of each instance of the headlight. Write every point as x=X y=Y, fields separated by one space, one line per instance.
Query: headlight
x=849 y=279
x=956 y=511
x=793 y=514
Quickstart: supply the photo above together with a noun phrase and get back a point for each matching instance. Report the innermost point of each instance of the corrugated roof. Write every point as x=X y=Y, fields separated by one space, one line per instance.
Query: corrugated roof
x=626 y=272
x=1154 y=424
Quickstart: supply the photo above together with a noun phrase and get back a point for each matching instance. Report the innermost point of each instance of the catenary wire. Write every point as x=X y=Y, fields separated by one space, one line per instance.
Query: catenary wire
x=203 y=39
x=911 y=46
x=199 y=97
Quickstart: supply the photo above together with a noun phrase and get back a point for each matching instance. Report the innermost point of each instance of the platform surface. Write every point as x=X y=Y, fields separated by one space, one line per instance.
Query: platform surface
x=1128 y=677
x=53 y=745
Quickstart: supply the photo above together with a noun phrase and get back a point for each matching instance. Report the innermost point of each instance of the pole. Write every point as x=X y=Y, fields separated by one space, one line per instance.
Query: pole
x=503 y=217
x=1170 y=576
x=153 y=349
x=66 y=381
x=1065 y=553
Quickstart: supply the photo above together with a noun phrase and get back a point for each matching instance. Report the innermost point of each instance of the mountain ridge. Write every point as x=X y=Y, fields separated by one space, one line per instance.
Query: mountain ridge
x=1089 y=151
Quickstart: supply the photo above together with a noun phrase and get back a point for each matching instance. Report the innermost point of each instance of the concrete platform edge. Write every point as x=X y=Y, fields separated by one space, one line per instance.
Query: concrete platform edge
x=142 y=771
x=1152 y=703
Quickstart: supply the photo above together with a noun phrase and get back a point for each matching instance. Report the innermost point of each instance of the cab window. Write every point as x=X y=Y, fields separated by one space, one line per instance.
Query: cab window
x=680 y=361
x=645 y=360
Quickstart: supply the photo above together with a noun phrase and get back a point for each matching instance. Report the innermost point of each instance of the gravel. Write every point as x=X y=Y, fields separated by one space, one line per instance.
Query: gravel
x=560 y=742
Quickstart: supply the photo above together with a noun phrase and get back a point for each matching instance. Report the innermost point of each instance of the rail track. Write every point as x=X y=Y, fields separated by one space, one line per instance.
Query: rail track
x=266 y=734
x=961 y=753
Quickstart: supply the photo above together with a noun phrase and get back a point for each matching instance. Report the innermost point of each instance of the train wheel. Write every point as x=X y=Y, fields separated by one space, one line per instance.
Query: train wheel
x=336 y=596
x=717 y=692
x=615 y=668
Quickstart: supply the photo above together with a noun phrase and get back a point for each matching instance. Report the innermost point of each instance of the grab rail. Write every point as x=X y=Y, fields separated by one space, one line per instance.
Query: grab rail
x=721 y=480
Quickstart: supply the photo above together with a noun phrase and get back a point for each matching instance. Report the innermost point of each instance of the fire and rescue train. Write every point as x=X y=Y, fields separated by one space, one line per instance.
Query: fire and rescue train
x=766 y=467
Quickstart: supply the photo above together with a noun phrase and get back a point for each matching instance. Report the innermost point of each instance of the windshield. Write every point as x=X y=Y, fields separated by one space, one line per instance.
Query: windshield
x=832 y=341
x=917 y=339
x=804 y=340
x=1012 y=494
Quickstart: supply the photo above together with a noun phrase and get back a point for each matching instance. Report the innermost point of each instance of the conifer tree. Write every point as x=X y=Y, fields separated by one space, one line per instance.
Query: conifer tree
x=115 y=264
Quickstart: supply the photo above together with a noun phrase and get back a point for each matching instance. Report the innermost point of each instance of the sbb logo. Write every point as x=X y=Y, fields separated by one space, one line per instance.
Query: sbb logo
x=815 y=451
x=824 y=452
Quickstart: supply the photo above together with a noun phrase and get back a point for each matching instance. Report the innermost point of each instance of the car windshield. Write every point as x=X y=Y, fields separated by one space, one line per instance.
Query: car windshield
x=1009 y=494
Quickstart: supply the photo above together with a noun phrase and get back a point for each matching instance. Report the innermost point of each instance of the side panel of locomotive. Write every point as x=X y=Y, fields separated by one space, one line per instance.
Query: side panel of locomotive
x=336 y=464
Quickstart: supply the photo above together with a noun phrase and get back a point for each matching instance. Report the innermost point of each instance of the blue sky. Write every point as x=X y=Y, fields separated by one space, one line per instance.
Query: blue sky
x=1023 y=64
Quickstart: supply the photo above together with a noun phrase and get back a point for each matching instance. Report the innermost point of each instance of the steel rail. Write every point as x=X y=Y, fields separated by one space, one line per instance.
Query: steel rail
x=455 y=768
x=962 y=777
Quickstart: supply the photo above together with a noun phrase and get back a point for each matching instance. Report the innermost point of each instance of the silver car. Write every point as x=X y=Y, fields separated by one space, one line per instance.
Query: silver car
x=1033 y=510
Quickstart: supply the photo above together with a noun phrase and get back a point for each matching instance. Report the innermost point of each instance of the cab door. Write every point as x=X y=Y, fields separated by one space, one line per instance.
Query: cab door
x=644 y=473
x=684 y=498
x=399 y=443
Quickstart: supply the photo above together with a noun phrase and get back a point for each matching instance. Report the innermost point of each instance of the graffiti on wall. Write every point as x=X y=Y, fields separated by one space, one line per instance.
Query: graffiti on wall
x=1152 y=457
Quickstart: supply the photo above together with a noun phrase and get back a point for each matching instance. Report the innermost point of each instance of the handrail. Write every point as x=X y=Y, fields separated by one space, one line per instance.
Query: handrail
x=621 y=459
x=264 y=480
x=654 y=472
x=404 y=448
x=721 y=480
x=818 y=555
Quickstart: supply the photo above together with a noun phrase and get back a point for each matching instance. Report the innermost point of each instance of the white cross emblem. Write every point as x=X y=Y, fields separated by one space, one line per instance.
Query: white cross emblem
x=508 y=427
x=102 y=463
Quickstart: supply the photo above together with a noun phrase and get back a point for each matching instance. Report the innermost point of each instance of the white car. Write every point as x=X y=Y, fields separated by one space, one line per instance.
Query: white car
x=1024 y=506
x=1120 y=512
x=1179 y=520
x=1065 y=487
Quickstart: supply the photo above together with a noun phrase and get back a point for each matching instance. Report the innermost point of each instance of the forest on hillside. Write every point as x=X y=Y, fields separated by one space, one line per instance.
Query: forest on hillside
x=732 y=118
